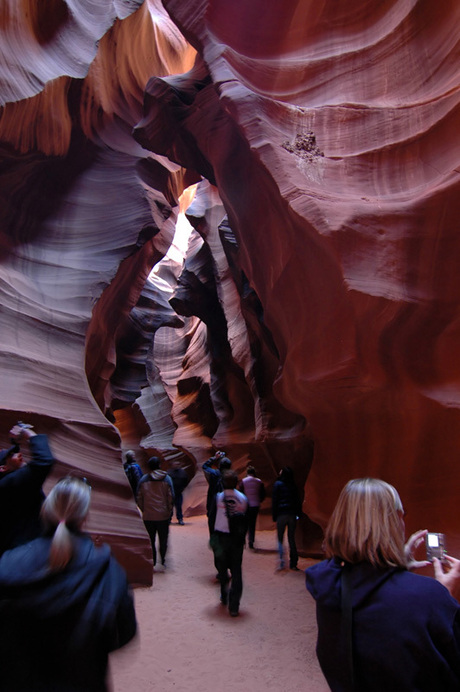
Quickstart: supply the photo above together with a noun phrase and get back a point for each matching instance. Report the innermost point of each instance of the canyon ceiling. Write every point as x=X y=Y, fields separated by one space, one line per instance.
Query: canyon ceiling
x=309 y=312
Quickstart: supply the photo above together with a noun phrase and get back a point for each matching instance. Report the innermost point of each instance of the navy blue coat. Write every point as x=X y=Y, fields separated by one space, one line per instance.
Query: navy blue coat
x=21 y=496
x=406 y=630
x=57 y=629
x=285 y=499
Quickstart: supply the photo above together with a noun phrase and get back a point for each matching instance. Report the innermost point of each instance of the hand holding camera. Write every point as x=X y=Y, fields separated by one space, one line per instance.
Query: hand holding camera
x=412 y=544
x=21 y=430
x=448 y=574
x=446 y=568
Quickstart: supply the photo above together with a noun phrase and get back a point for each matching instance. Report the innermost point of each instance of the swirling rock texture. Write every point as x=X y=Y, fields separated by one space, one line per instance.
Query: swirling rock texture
x=85 y=214
x=312 y=319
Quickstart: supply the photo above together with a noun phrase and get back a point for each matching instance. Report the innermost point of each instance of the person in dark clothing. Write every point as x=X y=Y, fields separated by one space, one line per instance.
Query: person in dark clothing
x=21 y=494
x=180 y=480
x=380 y=627
x=213 y=469
x=286 y=508
x=133 y=471
x=155 y=499
x=64 y=604
x=5 y=454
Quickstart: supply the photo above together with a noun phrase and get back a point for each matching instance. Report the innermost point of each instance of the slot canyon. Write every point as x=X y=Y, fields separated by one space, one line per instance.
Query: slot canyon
x=233 y=225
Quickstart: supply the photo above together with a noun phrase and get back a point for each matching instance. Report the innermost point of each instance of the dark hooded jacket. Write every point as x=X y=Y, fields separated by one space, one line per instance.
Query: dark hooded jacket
x=406 y=630
x=57 y=629
x=133 y=474
x=21 y=496
x=285 y=499
x=180 y=479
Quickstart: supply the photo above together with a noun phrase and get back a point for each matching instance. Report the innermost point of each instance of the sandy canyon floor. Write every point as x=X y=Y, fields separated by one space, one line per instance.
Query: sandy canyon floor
x=188 y=642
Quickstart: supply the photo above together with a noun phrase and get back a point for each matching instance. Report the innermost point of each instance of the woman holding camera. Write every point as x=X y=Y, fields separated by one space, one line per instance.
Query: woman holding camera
x=380 y=627
x=64 y=604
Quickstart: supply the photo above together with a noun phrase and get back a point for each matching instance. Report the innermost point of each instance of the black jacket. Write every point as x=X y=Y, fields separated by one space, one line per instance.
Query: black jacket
x=56 y=630
x=285 y=499
x=21 y=496
x=133 y=474
x=179 y=479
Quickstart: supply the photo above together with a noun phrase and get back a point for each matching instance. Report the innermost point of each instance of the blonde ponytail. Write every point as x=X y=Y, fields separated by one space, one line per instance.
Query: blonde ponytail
x=63 y=513
x=61 y=548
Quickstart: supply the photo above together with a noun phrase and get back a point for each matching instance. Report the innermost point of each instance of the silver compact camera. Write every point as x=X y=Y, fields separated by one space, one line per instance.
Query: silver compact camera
x=434 y=543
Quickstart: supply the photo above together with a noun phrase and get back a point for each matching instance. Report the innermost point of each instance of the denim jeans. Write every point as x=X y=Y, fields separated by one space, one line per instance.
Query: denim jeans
x=288 y=521
x=178 y=505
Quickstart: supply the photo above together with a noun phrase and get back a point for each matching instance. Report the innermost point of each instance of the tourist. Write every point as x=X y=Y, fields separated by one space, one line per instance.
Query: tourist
x=180 y=480
x=155 y=499
x=132 y=470
x=286 y=508
x=65 y=604
x=213 y=469
x=21 y=494
x=254 y=489
x=228 y=540
x=380 y=627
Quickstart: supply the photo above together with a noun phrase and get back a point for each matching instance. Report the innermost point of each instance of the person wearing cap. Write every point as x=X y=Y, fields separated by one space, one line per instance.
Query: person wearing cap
x=21 y=494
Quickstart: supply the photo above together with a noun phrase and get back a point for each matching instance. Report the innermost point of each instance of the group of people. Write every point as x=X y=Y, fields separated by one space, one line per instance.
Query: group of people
x=158 y=491
x=380 y=626
x=232 y=509
x=65 y=604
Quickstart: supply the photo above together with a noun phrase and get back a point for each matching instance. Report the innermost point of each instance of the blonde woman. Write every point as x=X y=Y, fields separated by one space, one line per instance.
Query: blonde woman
x=64 y=604
x=380 y=627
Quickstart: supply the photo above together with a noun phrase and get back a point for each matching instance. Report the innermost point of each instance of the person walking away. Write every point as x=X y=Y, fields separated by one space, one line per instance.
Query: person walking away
x=64 y=604
x=286 y=508
x=254 y=489
x=155 y=499
x=228 y=543
x=212 y=469
x=180 y=480
x=132 y=470
x=21 y=494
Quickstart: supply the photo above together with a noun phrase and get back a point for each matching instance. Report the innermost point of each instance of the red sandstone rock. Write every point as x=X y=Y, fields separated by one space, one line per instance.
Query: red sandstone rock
x=347 y=240
x=327 y=248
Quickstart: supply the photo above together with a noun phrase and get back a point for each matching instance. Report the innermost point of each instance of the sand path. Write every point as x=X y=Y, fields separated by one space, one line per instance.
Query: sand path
x=189 y=643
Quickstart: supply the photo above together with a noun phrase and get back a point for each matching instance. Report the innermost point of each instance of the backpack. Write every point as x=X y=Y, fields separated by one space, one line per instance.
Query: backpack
x=237 y=522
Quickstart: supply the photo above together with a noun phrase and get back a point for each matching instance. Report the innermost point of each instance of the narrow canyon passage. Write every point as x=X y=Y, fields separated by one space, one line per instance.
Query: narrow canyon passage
x=188 y=642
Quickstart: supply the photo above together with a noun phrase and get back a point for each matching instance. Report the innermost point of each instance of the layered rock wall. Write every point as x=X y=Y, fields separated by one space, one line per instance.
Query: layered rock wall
x=313 y=317
x=343 y=127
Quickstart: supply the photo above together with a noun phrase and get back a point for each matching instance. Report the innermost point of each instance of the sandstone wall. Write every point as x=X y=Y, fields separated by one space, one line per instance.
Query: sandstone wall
x=313 y=317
